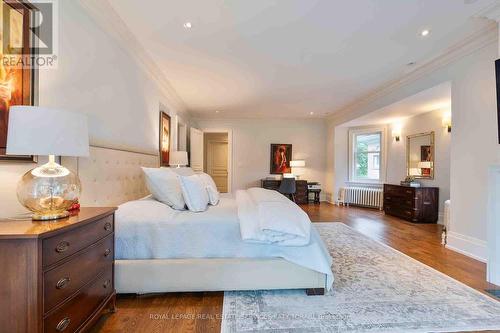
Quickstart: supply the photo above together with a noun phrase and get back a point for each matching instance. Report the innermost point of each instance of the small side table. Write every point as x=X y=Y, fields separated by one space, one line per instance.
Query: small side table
x=316 y=194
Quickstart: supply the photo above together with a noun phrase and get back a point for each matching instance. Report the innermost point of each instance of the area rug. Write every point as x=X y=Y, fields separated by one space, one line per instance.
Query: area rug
x=376 y=289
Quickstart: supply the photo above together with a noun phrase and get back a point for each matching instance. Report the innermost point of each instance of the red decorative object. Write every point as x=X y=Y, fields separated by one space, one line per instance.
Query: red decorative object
x=75 y=206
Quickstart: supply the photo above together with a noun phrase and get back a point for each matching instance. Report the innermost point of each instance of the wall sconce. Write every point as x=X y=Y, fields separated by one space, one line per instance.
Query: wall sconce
x=396 y=132
x=447 y=122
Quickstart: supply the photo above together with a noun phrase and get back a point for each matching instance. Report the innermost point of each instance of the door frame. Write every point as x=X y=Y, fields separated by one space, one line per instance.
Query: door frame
x=229 y=152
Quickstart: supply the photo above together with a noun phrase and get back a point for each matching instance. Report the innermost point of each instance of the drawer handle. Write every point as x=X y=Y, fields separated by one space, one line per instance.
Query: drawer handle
x=107 y=226
x=62 y=247
x=106 y=283
x=409 y=192
x=427 y=202
x=62 y=283
x=63 y=324
x=107 y=252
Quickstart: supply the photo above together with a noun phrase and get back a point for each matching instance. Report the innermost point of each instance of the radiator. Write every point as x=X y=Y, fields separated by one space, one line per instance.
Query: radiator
x=361 y=196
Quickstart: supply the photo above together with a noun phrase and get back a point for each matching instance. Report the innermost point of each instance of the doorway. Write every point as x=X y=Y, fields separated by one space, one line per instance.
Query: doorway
x=216 y=158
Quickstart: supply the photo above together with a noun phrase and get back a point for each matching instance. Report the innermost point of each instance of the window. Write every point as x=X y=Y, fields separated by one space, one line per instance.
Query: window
x=366 y=155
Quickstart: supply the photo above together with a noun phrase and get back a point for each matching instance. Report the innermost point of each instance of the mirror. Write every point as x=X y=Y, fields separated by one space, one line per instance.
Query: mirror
x=420 y=155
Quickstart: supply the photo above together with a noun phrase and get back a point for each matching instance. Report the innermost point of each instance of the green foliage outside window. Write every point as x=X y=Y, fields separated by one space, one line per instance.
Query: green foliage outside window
x=362 y=159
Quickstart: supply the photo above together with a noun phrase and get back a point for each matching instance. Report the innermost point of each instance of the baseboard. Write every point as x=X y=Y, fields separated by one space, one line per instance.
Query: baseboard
x=466 y=245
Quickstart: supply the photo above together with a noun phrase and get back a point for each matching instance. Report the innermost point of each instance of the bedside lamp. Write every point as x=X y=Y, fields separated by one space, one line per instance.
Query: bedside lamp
x=178 y=158
x=47 y=190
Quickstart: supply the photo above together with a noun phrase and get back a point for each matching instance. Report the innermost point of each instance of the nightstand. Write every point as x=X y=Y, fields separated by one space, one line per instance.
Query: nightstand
x=57 y=276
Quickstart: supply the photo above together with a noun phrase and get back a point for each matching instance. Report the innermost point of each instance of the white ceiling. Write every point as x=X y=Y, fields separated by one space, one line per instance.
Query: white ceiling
x=287 y=58
x=435 y=98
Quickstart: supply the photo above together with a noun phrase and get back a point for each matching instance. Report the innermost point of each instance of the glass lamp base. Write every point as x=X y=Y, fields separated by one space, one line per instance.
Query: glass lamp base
x=49 y=216
x=49 y=191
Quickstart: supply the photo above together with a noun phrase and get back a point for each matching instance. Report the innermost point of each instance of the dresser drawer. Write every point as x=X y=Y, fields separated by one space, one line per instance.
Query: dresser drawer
x=62 y=281
x=73 y=314
x=399 y=191
x=61 y=246
x=400 y=201
x=400 y=211
x=271 y=184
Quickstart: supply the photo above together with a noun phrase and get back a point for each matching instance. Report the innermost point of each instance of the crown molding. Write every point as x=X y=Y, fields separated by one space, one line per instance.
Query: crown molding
x=105 y=15
x=491 y=12
x=469 y=45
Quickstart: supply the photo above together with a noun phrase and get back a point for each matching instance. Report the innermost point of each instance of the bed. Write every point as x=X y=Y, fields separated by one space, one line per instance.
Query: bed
x=158 y=249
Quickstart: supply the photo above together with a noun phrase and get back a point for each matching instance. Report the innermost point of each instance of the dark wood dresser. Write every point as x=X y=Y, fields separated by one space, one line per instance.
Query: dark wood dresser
x=57 y=276
x=301 y=196
x=414 y=204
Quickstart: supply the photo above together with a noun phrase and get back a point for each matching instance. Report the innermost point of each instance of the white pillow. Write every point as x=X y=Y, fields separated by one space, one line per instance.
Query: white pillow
x=165 y=187
x=194 y=192
x=183 y=171
x=213 y=193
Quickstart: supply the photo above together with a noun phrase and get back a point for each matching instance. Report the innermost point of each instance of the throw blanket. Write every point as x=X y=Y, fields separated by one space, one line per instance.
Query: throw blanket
x=268 y=217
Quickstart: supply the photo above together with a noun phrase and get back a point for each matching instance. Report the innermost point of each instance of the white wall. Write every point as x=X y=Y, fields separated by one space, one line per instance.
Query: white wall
x=99 y=77
x=251 y=146
x=396 y=153
x=474 y=144
x=341 y=159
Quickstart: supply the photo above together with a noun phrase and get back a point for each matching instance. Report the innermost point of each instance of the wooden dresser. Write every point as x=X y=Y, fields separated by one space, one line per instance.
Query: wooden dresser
x=300 y=189
x=414 y=204
x=57 y=276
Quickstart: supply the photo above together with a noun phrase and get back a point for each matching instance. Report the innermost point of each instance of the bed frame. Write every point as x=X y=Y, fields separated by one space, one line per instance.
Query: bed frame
x=110 y=177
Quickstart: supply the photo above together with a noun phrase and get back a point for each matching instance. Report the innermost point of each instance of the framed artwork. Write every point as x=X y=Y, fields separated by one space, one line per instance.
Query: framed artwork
x=164 y=139
x=281 y=155
x=425 y=153
x=17 y=83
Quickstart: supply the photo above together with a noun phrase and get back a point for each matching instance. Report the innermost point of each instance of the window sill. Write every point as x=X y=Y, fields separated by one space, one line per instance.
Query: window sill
x=365 y=183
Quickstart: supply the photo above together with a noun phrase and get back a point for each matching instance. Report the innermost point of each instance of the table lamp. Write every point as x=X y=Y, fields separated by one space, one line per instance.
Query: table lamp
x=48 y=190
x=178 y=158
x=297 y=167
x=425 y=167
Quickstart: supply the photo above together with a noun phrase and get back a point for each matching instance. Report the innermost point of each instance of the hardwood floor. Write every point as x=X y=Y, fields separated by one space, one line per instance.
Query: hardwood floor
x=201 y=312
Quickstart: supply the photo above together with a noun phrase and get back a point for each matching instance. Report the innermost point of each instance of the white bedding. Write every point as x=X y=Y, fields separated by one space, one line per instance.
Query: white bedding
x=268 y=217
x=148 y=229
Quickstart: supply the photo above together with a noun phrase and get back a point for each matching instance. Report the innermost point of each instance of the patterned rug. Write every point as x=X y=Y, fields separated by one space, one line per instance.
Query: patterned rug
x=376 y=289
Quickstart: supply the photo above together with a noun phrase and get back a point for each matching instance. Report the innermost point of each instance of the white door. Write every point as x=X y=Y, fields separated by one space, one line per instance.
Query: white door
x=217 y=163
x=181 y=137
x=196 y=144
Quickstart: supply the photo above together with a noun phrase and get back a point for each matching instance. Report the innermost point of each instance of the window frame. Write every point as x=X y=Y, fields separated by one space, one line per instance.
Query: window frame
x=353 y=133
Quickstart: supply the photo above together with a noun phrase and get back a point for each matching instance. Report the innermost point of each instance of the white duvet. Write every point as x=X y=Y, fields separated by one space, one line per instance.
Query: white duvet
x=269 y=217
x=148 y=229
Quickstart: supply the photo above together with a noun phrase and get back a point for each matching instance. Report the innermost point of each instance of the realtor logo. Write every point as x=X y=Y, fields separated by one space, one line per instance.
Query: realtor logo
x=29 y=33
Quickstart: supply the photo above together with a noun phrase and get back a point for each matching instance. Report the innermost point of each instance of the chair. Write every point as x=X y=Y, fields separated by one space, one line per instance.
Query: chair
x=287 y=187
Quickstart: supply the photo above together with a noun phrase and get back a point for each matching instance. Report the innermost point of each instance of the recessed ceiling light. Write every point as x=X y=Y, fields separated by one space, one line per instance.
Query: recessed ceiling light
x=187 y=25
x=424 y=33
x=217 y=111
x=311 y=113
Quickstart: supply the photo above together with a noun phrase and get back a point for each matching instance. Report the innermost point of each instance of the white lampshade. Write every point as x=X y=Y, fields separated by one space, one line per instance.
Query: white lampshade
x=178 y=158
x=37 y=130
x=297 y=163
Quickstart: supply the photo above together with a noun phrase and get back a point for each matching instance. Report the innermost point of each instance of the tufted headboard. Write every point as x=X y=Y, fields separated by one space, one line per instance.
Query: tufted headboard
x=111 y=177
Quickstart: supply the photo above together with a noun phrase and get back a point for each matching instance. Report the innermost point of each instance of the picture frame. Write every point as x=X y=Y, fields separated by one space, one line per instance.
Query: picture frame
x=18 y=86
x=165 y=138
x=280 y=157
